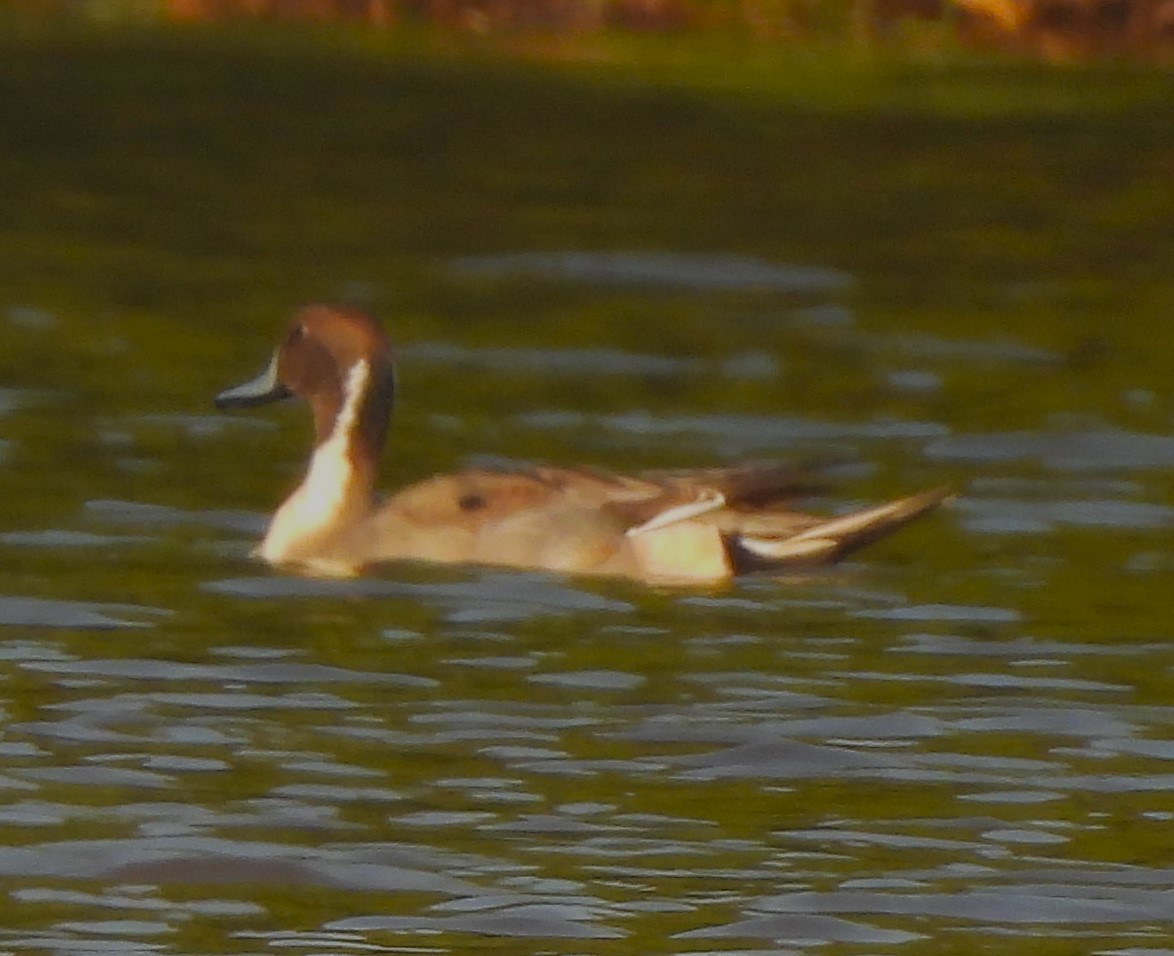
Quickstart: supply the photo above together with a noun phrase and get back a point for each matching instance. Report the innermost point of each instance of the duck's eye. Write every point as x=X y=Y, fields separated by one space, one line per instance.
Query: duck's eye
x=296 y=334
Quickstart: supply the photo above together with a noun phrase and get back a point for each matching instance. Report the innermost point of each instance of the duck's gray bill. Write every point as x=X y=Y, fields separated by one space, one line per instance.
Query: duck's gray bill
x=266 y=387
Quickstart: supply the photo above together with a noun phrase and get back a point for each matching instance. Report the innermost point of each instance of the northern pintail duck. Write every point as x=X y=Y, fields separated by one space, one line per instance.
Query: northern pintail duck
x=704 y=525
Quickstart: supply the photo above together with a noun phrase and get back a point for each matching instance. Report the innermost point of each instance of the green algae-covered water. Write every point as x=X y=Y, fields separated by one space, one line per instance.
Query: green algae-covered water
x=959 y=743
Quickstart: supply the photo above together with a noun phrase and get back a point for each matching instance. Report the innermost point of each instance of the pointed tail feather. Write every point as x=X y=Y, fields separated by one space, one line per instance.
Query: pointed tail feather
x=835 y=538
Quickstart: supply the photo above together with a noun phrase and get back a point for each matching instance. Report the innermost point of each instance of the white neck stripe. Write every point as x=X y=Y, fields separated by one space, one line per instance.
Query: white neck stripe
x=354 y=390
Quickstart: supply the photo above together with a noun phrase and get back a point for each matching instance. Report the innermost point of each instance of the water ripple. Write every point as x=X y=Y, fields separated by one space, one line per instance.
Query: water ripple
x=657 y=270
x=54 y=613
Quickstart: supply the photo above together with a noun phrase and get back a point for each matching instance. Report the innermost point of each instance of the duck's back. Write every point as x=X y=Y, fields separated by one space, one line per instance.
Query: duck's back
x=656 y=525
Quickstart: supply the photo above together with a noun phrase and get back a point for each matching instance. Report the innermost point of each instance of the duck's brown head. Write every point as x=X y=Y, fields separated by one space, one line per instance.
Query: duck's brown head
x=338 y=360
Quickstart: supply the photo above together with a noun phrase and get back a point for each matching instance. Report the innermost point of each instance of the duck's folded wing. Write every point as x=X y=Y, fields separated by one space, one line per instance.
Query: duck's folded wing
x=660 y=498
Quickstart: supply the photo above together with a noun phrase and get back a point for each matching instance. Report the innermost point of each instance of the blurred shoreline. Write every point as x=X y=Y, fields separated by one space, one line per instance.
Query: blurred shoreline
x=1049 y=31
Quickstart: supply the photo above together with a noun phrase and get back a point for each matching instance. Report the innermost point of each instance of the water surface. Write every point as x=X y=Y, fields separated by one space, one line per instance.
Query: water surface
x=959 y=742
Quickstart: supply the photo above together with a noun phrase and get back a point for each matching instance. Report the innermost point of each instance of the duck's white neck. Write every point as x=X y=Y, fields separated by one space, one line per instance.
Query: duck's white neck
x=336 y=489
